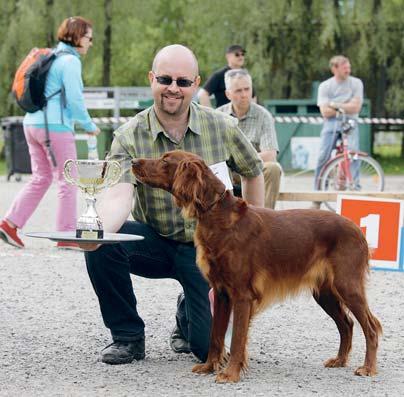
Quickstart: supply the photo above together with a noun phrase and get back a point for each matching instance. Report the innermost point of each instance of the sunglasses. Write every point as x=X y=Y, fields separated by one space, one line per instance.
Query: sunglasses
x=239 y=54
x=168 y=80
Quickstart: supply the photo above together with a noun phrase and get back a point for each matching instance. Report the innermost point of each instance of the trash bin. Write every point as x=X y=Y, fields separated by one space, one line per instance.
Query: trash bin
x=17 y=156
x=286 y=131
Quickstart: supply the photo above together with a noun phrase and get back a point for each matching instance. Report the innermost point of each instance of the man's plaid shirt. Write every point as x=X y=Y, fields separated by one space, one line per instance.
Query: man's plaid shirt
x=258 y=125
x=212 y=135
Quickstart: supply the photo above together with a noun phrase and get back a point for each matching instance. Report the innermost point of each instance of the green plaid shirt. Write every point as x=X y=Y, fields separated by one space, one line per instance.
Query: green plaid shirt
x=210 y=134
x=258 y=125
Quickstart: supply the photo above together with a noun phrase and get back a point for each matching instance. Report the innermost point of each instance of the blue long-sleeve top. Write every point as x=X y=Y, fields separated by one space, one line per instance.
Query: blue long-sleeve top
x=65 y=71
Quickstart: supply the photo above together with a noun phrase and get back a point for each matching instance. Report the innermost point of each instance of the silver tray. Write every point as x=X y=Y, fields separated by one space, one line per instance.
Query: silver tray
x=109 y=238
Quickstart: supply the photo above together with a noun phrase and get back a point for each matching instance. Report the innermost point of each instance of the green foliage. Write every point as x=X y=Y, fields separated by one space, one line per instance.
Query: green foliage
x=289 y=42
x=390 y=158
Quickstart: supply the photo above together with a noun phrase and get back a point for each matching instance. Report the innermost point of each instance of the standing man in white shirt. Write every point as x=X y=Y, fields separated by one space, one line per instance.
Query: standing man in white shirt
x=342 y=91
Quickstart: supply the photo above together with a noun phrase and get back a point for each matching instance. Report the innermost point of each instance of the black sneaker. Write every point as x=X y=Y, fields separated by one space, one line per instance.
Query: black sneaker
x=177 y=342
x=123 y=352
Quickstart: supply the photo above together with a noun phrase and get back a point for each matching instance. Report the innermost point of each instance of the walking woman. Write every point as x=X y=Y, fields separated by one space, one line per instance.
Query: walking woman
x=75 y=36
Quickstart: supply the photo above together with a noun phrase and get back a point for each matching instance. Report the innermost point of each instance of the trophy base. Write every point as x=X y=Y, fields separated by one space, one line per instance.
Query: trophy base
x=90 y=234
x=109 y=238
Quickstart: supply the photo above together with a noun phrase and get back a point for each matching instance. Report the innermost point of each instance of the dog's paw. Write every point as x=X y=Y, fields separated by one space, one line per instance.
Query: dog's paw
x=206 y=368
x=336 y=362
x=365 y=371
x=227 y=376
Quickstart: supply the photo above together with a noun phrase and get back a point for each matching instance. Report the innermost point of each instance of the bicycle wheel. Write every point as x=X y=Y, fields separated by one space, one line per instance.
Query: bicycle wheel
x=371 y=176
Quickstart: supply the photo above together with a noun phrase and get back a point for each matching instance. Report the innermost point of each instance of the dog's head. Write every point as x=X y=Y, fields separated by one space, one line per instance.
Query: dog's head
x=186 y=176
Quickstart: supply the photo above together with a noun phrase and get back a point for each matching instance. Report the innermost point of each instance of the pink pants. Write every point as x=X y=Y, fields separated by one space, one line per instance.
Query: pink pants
x=43 y=172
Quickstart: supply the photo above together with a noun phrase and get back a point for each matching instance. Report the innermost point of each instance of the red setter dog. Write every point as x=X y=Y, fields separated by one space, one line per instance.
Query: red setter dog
x=254 y=257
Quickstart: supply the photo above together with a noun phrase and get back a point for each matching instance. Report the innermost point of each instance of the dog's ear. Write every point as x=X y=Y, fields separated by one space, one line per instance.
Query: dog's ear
x=188 y=182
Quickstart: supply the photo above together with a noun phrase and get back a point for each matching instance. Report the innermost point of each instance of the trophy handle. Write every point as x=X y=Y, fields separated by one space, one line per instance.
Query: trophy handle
x=114 y=171
x=67 y=168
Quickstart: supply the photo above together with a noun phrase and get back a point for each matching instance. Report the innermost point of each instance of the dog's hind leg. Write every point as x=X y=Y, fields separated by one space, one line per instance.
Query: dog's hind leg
x=238 y=351
x=355 y=300
x=330 y=303
x=222 y=310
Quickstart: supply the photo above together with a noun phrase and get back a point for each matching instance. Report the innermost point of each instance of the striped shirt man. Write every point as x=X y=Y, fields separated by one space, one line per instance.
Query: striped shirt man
x=210 y=134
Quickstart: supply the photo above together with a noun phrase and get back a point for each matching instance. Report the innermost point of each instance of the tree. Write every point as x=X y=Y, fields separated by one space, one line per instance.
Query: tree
x=289 y=42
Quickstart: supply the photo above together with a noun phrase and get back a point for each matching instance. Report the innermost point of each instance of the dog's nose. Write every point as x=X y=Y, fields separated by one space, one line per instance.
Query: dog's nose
x=136 y=167
x=136 y=163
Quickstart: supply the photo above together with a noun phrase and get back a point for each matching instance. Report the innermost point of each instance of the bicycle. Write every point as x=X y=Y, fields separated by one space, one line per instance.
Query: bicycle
x=340 y=173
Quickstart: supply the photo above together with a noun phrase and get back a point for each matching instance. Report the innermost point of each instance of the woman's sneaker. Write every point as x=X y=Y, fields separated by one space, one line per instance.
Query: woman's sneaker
x=9 y=235
x=68 y=245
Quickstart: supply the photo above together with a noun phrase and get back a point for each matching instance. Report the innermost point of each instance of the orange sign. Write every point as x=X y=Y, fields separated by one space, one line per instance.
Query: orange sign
x=380 y=221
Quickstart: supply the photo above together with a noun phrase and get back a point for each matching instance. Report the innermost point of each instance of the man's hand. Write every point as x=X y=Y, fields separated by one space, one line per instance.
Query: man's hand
x=95 y=132
x=335 y=105
x=88 y=246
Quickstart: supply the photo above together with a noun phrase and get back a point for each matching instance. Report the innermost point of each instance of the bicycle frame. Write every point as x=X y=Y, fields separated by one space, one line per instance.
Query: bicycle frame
x=344 y=172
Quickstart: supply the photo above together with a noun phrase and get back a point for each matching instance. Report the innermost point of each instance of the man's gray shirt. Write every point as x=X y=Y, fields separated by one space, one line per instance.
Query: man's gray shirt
x=333 y=91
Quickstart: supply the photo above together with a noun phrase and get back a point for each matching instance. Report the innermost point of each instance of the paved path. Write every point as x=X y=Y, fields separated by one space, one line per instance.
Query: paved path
x=51 y=332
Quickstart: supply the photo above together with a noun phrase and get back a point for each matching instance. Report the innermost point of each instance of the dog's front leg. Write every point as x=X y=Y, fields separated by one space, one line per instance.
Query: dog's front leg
x=238 y=350
x=222 y=309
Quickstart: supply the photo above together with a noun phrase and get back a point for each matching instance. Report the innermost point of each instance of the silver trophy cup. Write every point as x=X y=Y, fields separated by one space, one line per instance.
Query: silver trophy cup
x=91 y=176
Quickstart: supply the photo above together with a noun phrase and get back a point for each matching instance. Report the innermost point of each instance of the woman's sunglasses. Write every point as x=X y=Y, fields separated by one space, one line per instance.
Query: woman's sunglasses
x=168 y=80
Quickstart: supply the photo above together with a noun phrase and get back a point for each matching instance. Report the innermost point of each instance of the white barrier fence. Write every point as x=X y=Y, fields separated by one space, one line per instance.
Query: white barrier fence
x=278 y=119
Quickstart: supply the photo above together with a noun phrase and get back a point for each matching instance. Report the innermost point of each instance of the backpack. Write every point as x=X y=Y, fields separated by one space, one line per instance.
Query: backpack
x=30 y=79
x=29 y=85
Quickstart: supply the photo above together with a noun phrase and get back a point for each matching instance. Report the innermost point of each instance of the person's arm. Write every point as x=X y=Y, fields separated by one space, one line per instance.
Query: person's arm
x=351 y=107
x=204 y=98
x=327 y=111
x=210 y=87
x=115 y=206
x=323 y=101
x=253 y=189
x=268 y=141
x=73 y=85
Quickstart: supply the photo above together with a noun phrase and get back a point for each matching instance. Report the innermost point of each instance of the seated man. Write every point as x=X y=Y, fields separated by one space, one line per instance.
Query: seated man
x=258 y=125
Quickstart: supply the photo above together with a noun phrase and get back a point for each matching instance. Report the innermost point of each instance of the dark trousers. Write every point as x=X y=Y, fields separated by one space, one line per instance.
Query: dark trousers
x=109 y=268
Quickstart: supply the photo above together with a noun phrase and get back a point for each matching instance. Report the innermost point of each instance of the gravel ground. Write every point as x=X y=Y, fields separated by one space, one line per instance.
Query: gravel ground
x=51 y=333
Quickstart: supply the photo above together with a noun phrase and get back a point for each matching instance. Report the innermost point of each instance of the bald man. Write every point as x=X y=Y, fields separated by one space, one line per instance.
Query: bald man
x=167 y=251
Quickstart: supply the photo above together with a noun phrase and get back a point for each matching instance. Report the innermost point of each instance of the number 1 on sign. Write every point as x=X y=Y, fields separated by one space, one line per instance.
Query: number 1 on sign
x=372 y=225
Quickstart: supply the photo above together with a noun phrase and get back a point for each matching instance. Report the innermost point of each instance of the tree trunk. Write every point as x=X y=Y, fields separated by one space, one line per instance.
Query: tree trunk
x=106 y=55
x=49 y=23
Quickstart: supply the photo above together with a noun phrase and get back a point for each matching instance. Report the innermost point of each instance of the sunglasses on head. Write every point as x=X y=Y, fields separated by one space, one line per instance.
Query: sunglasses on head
x=168 y=80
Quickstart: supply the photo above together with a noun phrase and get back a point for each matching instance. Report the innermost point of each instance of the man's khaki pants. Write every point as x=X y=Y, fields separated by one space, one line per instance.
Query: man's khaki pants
x=272 y=177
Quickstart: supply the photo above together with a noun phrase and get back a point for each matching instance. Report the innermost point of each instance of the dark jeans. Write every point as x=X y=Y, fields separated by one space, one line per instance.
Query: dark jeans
x=109 y=268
